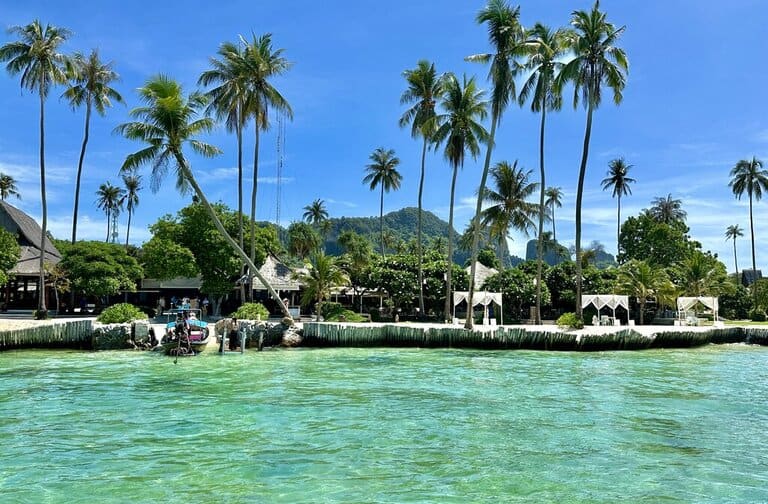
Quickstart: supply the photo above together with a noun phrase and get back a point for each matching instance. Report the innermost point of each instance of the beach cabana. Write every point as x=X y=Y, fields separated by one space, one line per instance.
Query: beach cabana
x=484 y=298
x=600 y=301
x=686 y=303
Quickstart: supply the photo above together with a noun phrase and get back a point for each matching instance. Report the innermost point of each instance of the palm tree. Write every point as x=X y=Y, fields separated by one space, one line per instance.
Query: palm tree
x=424 y=88
x=90 y=86
x=507 y=37
x=508 y=207
x=667 y=210
x=303 y=240
x=323 y=275
x=315 y=213
x=546 y=48
x=618 y=181
x=597 y=62
x=460 y=129
x=641 y=280
x=733 y=232
x=382 y=171
x=167 y=122
x=131 y=199
x=109 y=198
x=748 y=176
x=554 y=199
x=37 y=58
x=8 y=187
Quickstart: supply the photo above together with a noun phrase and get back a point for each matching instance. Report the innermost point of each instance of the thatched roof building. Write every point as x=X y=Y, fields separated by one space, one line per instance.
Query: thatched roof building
x=28 y=233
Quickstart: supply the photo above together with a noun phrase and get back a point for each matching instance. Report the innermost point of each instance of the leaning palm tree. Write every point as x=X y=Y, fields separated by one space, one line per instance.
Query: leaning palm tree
x=618 y=181
x=167 y=123
x=731 y=233
x=546 y=48
x=597 y=62
x=35 y=55
x=8 y=187
x=90 y=85
x=382 y=172
x=667 y=210
x=748 y=176
x=424 y=88
x=554 y=200
x=109 y=199
x=131 y=199
x=507 y=37
x=460 y=128
x=315 y=213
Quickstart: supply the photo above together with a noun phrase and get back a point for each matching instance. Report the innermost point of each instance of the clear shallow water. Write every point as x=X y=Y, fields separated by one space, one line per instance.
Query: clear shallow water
x=385 y=425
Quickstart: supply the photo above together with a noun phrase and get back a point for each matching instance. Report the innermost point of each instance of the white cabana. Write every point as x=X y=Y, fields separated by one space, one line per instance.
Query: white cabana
x=686 y=303
x=484 y=298
x=600 y=301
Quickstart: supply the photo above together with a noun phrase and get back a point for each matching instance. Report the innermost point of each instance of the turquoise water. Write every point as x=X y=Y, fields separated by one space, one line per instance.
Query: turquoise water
x=385 y=425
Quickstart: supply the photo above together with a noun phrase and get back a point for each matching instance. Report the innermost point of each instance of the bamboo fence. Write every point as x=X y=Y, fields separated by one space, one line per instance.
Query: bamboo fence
x=75 y=334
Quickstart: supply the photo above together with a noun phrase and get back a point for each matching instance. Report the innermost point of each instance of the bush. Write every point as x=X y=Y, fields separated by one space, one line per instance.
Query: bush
x=346 y=316
x=570 y=320
x=120 y=313
x=375 y=315
x=330 y=310
x=41 y=314
x=757 y=315
x=251 y=311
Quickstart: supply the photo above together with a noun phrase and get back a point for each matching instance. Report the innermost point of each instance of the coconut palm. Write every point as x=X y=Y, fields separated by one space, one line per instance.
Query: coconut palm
x=315 y=213
x=322 y=276
x=167 y=123
x=132 y=185
x=597 y=62
x=731 y=233
x=303 y=240
x=8 y=187
x=641 y=280
x=554 y=199
x=546 y=48
x=617 y=180
x=90 y=85
x=460 y=128
x=507 y=37
x=382 y=172
x=35 y=55
x=748 y=176
x=424 y=88
x=109 y=199
x=667 y=210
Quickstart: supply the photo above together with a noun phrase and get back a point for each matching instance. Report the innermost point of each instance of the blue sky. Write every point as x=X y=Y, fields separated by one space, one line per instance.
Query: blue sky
x=694 y=105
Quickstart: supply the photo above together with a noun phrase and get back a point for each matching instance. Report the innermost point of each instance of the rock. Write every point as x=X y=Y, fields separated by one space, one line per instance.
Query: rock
x=112 y=336
x=141 y=331
x=292 y=336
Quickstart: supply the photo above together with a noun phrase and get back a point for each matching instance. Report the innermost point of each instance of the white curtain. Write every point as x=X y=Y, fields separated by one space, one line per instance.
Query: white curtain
x=480 y=298
x=686 y=303
x=600 y=301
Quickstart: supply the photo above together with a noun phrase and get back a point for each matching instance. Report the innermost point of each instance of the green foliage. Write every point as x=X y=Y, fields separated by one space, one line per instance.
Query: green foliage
x=121 y=313
x=303 y=239
x=100 y=269
x=334 y=312
x=487 y=257
x=644 y=238
x=736 y=304
x=9 y=254
x=518 y=291
x=570 y=320
x=561 y=282
x=251 y=311
x=702 y=274
x=757 y=315
x=164 y=260
x=323 y=275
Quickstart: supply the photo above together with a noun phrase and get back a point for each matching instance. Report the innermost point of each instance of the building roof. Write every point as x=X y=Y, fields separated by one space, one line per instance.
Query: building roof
x=750 y=276
x=279 y=276
x=26 y=228
x=29 y=262
x=482 y=272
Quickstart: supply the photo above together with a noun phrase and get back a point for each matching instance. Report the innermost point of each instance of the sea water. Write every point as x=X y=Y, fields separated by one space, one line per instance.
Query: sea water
x=385 y=425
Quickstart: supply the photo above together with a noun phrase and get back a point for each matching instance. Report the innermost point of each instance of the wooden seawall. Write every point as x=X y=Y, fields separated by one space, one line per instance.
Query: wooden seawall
x=76 y=334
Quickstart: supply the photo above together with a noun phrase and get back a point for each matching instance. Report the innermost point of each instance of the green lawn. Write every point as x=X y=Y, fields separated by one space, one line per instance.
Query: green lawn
x=743 y=322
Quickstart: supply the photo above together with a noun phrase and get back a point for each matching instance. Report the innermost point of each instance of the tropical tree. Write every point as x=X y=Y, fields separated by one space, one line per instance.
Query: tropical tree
x=702 y=274
x=667 y=210
x=131 y=199
x=554 y=199
x=110 y=200
x=315 y=213
x=382 y=172
x=10 y=251
x=167 y=122
x=507 y=37
x=425 y=86
x=8 y=187
x=546 y=48
x=748 y=176
x=460 y=128
x=641 y=280
x=303 y=240
x=90 y=85
x=618 y=181
x=323 y=275
x=35 y=55
x=597 y=62
x=731 y=233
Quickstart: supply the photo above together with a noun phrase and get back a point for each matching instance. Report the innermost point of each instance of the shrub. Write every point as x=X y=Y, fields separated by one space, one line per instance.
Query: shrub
x=329 y=310
x=119 y=313
x=251 y=311
x=41 y=314
x=570 y=320
x=375 y=315
x=346 y=316
x=757 y=315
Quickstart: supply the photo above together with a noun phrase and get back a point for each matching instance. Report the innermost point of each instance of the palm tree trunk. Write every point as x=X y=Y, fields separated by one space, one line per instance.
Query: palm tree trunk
x=381 y=219
x=478 y=210
x=754 y=267
x=418 y=232
x=44 y=203
x=80 y=169
x=642 y=309
x=579 y=194
x=554 y=231
x=253 y=199
x=128 y=228
x=109 y=221
x=240 y=190
x=540 y=241
x=735 y=259
x=618 y=226
x=449 y=262
x=232 y=243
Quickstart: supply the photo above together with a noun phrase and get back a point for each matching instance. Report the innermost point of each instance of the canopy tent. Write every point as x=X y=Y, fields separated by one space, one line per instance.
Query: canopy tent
x=599 y=301
x=480 y=298
x=686 y=303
